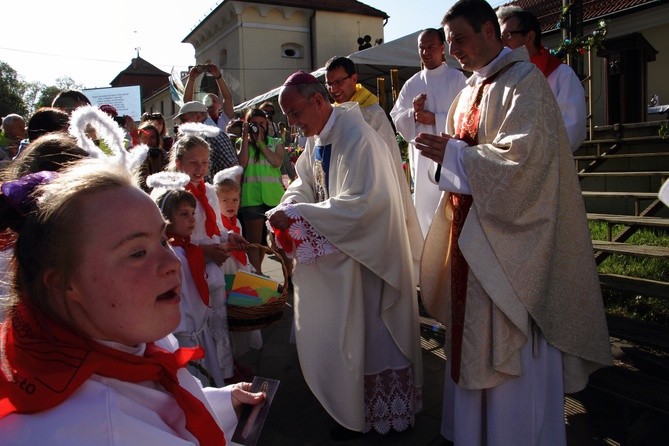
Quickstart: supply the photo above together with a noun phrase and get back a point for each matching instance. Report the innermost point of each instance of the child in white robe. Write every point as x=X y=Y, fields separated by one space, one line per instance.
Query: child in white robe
x=227 y=184
x=202 y=285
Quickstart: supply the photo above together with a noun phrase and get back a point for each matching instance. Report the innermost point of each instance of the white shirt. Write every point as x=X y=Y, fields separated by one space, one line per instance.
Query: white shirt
x=441 y=85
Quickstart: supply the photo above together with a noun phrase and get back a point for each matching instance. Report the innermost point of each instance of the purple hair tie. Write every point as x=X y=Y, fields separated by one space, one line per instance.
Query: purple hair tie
x=18 y=193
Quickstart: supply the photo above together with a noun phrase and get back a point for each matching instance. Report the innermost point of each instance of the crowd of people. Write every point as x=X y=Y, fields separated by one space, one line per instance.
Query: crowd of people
x=117 y=238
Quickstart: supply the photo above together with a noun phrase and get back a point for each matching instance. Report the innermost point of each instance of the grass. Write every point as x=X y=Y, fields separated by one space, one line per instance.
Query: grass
x=642 y=308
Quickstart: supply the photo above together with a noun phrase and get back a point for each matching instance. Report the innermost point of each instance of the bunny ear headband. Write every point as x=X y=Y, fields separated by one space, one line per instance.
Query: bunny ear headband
x=164 y=183
x=109 y=131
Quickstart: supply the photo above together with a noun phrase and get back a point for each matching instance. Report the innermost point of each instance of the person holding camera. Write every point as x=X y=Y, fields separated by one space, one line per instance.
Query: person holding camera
x=157 y=158
x=219 y=112
x=261 y=157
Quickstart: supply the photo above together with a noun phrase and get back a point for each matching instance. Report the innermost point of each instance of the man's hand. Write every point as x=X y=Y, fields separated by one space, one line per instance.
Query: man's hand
x=432 y=146
x=279 y=220
x=419 y=102
x=424 y=117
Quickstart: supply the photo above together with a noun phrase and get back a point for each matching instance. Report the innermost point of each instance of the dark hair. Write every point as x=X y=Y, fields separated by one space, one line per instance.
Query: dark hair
x=258 y=113
x=474 y=12
x=47 y=120
x=526 y=22
x=70 y=99
x=436 y=32
x=341 y=62
x=170 y=201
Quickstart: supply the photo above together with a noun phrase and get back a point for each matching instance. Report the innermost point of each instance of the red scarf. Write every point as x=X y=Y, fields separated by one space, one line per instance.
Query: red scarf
x=231 y=225
x=196 y=263
x=44 y=363
x=200 y=193
x=545 y=61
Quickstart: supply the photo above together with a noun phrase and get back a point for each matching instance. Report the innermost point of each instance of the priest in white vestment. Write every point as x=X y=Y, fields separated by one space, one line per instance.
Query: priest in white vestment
x=356 y=315
x=511 y=274
x=422 y=106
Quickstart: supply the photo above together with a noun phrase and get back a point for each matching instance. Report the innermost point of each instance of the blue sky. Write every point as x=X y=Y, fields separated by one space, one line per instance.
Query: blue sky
x=91 y=42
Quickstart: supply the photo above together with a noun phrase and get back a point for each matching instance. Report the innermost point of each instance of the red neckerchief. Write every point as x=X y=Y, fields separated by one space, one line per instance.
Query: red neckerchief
x=200 y=193
x=545 y=61
x=44 y=363
x=231 y=225
x=196 y=263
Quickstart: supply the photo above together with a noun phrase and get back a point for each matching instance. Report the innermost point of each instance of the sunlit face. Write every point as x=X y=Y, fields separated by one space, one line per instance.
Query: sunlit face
x=341 y=85
x=512 y=35
x=469 y=47
x=182 y=220
x=228 y=201
x=431 y=50
x=306 y=113
x=195 y=163
x=148 y=137
x=127 y=284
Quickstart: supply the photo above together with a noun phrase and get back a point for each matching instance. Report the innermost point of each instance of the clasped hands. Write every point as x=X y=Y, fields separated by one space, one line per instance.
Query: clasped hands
x=421 y=115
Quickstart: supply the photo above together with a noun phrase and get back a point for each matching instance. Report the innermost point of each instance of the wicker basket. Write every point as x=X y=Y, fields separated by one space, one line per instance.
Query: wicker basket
x=253 y=318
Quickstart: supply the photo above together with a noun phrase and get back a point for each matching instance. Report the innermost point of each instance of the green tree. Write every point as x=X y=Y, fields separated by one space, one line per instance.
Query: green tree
x=11 y=92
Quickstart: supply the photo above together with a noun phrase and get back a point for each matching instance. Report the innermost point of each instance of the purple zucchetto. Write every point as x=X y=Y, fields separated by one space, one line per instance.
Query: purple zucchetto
x=300 y=78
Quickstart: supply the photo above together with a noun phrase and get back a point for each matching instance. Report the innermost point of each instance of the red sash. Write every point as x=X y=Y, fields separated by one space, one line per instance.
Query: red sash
x=545 y=61
x=44 y=363
x=200 y=193
x=196 y=264
x=231 y=225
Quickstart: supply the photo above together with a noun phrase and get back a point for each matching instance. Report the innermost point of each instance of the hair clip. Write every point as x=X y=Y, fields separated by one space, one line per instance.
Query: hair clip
x=18 y=193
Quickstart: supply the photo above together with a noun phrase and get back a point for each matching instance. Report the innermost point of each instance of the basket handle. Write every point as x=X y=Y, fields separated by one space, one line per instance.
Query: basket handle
x=268 y=250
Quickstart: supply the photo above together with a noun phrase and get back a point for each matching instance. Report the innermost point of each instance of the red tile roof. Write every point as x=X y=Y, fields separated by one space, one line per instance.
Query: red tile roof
x=548 y=11
x=351 y=6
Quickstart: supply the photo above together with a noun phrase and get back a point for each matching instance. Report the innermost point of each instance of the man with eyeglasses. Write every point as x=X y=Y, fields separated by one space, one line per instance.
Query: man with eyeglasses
x=422 y=106
x=518 y=28
x=341 y=80
x=507 y=265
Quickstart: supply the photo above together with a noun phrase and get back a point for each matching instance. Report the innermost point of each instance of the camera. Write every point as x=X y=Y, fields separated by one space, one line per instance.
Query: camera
x=154 y=152
x=253 y=128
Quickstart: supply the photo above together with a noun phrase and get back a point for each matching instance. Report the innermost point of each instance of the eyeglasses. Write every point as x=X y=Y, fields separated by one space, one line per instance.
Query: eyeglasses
x=336 y=83
x=507 y=35
x=147 y=116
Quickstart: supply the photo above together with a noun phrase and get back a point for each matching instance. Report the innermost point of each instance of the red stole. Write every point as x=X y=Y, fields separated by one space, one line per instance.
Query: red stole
x=196 y=264
x=200 y=193
x=231 y=225
x=44 y=363
x=545 y=61
x=467 y=129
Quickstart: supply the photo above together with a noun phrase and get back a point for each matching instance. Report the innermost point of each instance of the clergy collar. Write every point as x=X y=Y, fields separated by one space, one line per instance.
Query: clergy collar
x=484 y=72
x=436 y=71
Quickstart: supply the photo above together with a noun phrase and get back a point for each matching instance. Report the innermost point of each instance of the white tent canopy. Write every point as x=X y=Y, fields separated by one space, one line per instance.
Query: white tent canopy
x=377 y=61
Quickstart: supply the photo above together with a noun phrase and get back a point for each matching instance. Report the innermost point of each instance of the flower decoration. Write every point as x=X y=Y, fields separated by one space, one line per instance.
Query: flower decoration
x=294 y=152
x=578 y=45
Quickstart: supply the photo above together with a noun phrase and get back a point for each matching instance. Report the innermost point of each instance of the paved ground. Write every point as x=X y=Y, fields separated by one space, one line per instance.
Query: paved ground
x=296 y=417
